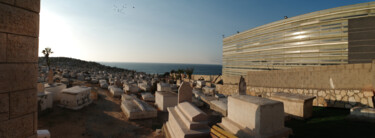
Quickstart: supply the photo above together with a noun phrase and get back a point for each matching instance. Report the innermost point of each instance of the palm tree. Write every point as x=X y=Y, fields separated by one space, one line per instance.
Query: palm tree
x=47 y=51
x=189 y=72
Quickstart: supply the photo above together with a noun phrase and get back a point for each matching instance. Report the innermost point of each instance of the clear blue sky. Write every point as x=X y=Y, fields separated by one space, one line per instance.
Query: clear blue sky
x=158 y=31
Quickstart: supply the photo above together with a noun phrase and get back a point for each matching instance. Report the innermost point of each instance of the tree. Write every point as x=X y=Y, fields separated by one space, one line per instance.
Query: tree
x=47 y=51
x=180 y=72
x=189 y=72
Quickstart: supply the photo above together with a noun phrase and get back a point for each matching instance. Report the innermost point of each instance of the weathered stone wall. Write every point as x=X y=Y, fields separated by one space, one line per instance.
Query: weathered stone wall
x=19 y=31
x=344 y=98
x=227 y=89
x=208 y=78
x=342 y=86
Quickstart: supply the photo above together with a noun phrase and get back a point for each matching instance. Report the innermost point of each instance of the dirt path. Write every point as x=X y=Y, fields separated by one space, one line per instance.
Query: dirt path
x=103 y=118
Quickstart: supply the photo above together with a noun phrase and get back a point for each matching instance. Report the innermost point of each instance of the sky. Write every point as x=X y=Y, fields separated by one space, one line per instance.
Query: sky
x=158 y=31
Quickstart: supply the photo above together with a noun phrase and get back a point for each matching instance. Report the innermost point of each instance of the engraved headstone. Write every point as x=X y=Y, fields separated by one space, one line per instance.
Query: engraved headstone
x=242 y=86
x=185 y=93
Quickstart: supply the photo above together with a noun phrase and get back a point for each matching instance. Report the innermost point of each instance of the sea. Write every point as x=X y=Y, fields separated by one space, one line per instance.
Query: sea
x=161 y=68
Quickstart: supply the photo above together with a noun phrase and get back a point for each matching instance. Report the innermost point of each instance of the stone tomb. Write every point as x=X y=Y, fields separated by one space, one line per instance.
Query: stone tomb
x=296 y=105
x=134 y=108
x=55 y=89
x=163 y=87
x=45 y=101
x=103 y=84
x=186 y=120
x=363 y=113
x=43 y=134
x=115 y=91
x=165 y=99
x=75 y=97
x=201 y=83
x=131 y=88
x=147 y=96
x=208 y=90
x=185 y=92
x=250 y=116
x=220 y=106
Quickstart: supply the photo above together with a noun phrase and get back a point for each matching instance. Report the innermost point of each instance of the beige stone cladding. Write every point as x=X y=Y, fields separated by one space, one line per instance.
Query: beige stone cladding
x=250 y=116
x=19 y=34
x=296 y=105
x=187 y=121
x=76 y=97
x=165 y=99
x=135 y=108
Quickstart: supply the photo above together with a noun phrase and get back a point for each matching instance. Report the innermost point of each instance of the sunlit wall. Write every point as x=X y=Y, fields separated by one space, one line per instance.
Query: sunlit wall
x=313 y=39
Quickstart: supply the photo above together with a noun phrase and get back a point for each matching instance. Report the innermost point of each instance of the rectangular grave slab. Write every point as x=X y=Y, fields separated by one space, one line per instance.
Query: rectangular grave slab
x=250 y=116
x=220 y=105
x=296 y=105
x=365 y=113
x=186 y=120
x=115 y=92
x=45 y=101
x=43 y=134
x=56 y=90
x=76 y=97
x=164 y=87
x=134 y=108
x=103 y=84
x=147 y=96
x=165 y=99
x=208 y=90
x=200 y=84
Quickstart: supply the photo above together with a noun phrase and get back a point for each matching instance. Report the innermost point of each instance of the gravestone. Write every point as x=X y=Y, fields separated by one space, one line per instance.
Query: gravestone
x=50 y=77
x=40 y=87
x=242 y=86
x=185 y=93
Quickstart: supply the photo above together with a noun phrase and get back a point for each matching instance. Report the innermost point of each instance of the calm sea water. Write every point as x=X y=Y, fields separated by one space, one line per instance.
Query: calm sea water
x=161 y=68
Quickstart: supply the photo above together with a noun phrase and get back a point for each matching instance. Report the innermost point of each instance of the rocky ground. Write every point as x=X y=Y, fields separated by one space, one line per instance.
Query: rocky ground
x=103 y=118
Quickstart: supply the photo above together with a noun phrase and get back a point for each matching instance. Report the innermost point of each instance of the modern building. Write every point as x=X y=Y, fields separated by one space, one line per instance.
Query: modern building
x=342 y=35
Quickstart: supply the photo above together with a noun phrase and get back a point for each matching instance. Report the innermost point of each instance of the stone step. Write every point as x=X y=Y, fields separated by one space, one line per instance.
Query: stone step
x=189 y=124
x=233 y=127
x=193 y=113
x=180 y=130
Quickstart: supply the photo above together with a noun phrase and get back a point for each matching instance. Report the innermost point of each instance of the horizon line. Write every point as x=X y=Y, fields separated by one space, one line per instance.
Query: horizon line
x=141 y=62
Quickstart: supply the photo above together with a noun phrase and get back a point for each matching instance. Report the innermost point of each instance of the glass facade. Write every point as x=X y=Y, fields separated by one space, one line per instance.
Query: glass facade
x=313 y=39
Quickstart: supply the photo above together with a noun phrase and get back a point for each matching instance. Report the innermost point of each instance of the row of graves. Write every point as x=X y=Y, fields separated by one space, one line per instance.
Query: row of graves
x=240 y=115
x=65 y=88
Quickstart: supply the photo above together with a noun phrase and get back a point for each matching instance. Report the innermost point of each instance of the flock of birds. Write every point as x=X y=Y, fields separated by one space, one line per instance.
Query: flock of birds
x=120 y=8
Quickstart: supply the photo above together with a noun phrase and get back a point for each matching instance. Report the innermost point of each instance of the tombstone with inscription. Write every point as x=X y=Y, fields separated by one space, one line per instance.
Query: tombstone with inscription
x=242 y=86
x=185 y=93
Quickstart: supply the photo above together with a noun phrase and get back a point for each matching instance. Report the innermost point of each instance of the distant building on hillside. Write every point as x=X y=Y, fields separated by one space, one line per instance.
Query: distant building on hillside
x=329 y=37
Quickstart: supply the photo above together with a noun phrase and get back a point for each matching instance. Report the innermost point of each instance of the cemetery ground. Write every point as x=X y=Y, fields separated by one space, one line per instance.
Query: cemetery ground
x=104 y=118
x=331 y=122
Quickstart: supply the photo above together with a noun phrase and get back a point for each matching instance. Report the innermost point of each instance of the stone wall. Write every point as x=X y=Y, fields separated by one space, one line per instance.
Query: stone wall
x=208 y=78
x=19 y=32
x=341 y=86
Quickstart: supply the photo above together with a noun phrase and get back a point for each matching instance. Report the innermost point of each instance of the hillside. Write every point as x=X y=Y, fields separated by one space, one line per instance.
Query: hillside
x=65 y=62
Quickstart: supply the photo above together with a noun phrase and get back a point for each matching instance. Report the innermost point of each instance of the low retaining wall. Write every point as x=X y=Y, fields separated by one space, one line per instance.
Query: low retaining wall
x=342 y=86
